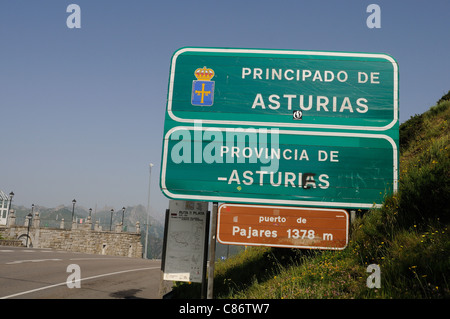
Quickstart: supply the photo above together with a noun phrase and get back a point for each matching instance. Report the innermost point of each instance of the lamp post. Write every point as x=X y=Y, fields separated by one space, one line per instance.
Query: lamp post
x=123 y=214
x=110 y=223
x=73 y=208
x=11 y=195
x=148 y=210
x=29 y=217
x=89 y=219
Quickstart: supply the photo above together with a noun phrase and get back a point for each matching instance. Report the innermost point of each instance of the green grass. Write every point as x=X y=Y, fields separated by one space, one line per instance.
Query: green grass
x=407 y=237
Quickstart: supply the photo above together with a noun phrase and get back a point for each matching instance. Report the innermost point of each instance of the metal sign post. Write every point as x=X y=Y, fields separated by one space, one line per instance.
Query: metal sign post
x=205 y=258
x=212 y=251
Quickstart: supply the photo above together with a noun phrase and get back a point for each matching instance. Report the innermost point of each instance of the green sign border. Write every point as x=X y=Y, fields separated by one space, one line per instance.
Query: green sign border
x=271 y=53
x=250 y=200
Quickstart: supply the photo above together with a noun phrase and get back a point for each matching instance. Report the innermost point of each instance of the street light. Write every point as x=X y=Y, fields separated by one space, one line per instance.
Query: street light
x=123 y=213
x=29 y=217
x=148 y=210
x=110 y=223
x=90 y=212
x=73 y=208
x=11 y=195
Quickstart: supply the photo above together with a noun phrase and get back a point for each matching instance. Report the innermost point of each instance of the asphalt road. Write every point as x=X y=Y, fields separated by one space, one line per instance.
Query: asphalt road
x=33 y=273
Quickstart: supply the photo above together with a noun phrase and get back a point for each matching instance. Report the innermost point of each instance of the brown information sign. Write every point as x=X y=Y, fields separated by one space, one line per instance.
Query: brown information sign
x=282 y=226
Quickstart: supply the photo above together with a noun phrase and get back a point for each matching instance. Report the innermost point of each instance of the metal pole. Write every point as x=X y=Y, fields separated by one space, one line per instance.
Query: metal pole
x=148 y=212
x=29 y=218
x=110 y=223
x=212 y=251
x=205 y=257
x=123 y=214
x=28 y=231
x=11 y=195
x=73 y=208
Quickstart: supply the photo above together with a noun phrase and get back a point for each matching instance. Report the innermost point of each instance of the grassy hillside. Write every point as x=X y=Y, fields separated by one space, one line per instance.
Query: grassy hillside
x=408 y=237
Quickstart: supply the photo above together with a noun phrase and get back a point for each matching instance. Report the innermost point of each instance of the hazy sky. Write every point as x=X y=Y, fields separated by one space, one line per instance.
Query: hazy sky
x=82 y=110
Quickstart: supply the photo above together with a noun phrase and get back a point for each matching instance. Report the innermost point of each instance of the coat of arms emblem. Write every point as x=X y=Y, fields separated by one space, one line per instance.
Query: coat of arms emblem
x=203 y=87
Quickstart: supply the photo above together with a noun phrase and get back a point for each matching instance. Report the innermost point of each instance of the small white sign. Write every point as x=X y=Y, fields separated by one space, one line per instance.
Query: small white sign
x=185 y=241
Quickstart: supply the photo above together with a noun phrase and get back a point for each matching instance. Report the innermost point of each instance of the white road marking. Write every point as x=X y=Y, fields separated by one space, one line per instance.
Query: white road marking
x=30 y=261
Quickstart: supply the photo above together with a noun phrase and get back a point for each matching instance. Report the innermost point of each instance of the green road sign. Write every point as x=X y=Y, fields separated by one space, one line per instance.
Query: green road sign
x=308 y=168
x=301 y=128
x=283 y=88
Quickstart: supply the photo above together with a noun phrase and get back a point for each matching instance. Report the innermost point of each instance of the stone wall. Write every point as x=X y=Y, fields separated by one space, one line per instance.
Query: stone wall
x=79 y=238
x=11 y=242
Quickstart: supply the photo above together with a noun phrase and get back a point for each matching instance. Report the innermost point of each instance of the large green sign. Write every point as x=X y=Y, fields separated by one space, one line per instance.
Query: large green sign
x=278 y=167
x=281 y=127
x=265 y=87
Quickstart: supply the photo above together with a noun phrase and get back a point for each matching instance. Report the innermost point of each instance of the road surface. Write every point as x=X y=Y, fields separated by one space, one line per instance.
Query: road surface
x=34 y=273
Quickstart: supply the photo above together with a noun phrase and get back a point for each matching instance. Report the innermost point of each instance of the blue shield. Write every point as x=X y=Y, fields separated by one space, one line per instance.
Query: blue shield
x=202 y=93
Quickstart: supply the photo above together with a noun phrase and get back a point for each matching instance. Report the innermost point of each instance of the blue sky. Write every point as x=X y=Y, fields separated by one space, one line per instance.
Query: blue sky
x=82 y=110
